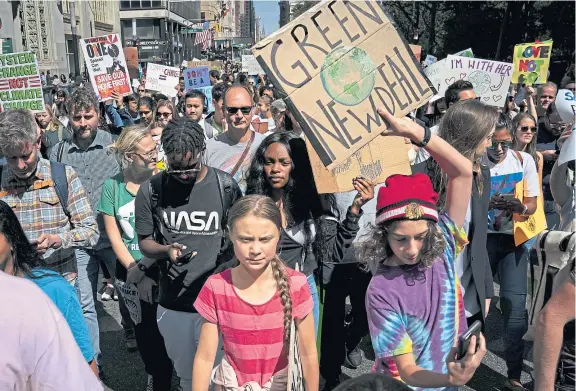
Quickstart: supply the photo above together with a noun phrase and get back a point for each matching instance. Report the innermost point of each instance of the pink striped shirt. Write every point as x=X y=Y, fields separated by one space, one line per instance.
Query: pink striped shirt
x=252 y=334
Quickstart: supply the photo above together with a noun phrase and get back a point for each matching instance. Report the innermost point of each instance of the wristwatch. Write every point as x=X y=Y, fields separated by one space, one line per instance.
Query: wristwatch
x=142 y=267
x=425 y=140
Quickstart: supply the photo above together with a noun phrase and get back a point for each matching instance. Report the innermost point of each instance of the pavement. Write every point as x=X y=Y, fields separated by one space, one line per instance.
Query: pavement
x=124 y=371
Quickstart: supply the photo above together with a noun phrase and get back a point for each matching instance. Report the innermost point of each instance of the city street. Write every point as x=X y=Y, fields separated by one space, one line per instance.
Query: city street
x=124 y=371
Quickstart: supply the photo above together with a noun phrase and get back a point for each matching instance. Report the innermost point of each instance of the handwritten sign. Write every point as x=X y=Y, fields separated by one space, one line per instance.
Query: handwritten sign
x=436 y=74
x=131 y=298
x=207 y=91
x=20 y=84
x=336 y=65
x=531 y=62
x=465 y=53
x=250 y=65
x=162 y=79
x=195 y=78
x=566 y=105
x=106 y=65
x=491 y=79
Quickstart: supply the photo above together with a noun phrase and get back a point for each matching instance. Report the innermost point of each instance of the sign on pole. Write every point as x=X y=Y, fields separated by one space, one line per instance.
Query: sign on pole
x=20 y=84
x=531 y=62
x=250 y=65
x=162 y=78
x=194 y=78
x=338 y=63
x=106 y=65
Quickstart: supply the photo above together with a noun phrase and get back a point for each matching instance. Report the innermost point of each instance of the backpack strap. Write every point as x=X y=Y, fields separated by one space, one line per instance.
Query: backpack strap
x=229 y=193
x=58 y=171
x=60 y=151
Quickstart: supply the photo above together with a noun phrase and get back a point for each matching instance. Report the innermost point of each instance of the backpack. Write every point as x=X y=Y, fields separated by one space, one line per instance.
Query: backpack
x=58 y=172
x=229 y=193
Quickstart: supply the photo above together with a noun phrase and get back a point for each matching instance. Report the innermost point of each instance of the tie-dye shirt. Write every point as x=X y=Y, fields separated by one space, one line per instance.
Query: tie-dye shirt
x=418 y=311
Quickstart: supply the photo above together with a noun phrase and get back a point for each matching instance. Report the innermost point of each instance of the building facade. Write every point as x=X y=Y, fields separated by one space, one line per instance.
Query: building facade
x=44 y=27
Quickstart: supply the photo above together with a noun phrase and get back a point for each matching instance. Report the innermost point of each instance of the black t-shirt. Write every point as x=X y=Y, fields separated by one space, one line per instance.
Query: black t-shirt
x=191 y=216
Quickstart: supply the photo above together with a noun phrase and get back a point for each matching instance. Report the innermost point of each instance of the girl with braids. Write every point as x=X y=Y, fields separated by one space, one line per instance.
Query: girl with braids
x=468 y=126
x=252 y=306
x=311 y=234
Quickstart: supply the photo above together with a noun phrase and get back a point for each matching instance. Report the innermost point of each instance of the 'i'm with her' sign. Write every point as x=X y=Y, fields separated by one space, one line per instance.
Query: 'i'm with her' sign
x=337 y=63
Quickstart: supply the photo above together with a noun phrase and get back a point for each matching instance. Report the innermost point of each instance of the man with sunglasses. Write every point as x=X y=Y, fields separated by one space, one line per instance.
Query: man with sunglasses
x=180 y=222
x=232 y=151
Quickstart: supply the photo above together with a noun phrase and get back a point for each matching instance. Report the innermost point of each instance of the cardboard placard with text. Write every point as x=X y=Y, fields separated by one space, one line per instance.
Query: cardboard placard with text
x=531 y=62
x=20 y=84
x=380 y=158
x=336 y=64
x=162 y=78
x=250 y=65
x=106 y=65
x=194 y=78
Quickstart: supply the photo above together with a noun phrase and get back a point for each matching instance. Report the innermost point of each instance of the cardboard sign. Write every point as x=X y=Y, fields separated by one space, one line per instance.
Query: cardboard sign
x=531 y=62
x=380 y=158
x=131 y=297
x=162 y=79
x=491 y=79
x=465 y=53
x=106 y=65
x=250 y=65
x=208 y=92
x=131 y=55
x=416 y=51
x=20 y=84
x=566 y=105
x=435 y=73
x=336 y=64
x=194 y=78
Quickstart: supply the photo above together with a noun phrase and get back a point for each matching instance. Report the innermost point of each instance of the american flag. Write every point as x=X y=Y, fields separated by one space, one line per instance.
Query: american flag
x=204 y=38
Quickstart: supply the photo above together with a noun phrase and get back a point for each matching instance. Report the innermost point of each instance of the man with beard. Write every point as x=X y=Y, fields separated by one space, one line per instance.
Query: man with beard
x=232 y=150
x=88 y=154
x=181 y=222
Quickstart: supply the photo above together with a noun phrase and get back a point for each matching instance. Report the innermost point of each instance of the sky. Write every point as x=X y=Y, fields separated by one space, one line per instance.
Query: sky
x=268 y=11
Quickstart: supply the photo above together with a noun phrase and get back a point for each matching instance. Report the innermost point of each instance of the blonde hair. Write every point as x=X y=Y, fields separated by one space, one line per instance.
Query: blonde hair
x=129 y=139
x=165 y=103
x=262 y=206
x=54 y=124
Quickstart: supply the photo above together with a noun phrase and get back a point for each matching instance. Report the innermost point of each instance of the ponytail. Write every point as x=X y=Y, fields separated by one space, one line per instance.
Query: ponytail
x=283 y=284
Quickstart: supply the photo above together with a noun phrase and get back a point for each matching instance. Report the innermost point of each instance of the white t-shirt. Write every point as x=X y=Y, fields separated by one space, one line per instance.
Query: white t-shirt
x=504 y=177
x=422 y=154
x=39 y=352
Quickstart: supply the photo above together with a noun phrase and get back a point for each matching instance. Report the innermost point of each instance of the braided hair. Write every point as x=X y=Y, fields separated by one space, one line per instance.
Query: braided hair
x=181 y=136
x=264 y=207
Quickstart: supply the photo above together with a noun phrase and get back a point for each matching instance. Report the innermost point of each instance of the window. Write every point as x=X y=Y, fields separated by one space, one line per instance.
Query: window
x=125 y=4
x=148 y=28
x=70 y=55
x=202 y=15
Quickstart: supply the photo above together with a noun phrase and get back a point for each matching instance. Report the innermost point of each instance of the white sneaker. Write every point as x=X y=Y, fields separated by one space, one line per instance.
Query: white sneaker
x=108 y=293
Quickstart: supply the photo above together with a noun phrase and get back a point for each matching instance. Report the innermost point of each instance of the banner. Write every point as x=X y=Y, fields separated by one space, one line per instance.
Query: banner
x=250 y=65
x=491 y=79
x=194 y=78
x=531 y=62
x=338 y=63
x=162 y=79
x=131 y=55
x=20 y=84
x=106 y=65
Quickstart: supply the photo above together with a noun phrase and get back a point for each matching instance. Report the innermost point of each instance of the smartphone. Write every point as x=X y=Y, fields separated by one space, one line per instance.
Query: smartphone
x=464 y=340
x=507 y=197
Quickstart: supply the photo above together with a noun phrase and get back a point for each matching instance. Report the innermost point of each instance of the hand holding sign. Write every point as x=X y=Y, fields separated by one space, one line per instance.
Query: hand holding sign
x=402 y=127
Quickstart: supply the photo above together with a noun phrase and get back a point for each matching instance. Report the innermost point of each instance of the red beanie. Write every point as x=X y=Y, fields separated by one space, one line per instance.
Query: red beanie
x=409 y=197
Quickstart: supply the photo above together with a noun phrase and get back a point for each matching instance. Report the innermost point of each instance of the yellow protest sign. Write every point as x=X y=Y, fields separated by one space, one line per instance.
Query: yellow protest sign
x=531 y=62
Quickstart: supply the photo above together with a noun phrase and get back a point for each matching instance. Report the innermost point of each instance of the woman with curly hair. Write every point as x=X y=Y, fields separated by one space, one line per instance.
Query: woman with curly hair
x=311 y=234
x=414 y=301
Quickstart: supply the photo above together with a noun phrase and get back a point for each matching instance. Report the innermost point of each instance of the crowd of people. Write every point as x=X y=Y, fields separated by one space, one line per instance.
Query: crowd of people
x=214 y=219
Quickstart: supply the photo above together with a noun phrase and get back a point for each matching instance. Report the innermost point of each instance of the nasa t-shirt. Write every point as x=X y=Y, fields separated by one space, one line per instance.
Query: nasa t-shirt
x=191 y=216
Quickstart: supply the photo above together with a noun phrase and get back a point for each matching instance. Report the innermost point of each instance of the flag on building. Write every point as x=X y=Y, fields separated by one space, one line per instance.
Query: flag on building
x=204 y=38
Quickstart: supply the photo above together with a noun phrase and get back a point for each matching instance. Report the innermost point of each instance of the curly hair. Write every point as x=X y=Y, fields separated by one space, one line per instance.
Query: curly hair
x=375 y=249
x=82 y=98
x=301 y=201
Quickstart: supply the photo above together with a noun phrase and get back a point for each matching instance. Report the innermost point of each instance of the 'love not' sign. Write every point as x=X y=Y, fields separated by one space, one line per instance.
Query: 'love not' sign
x=531 y=62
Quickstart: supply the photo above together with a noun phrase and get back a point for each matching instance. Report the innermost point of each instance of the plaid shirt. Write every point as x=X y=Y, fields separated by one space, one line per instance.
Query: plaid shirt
x=93 y=165
x=38 y=209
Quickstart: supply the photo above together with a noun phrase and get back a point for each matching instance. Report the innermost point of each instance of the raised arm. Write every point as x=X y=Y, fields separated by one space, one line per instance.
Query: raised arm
x=457 y=167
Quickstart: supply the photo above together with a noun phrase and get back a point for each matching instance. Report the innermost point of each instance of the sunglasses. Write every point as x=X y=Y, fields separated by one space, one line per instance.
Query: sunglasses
x=233 y=110
x=526 y=128
x=503 y=144
x=164 y=115
x=186 y=171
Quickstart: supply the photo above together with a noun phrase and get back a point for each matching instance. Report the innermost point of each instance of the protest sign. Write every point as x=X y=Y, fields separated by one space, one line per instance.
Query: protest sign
x=380 y=158
x=429 y=60
x=194 y=78
x=20 y=84
x=531 y=62
x=106 y=65
x=435 y=73
x=465 y=53
x=566 y=105
x=131 y=298
x=162 y=79
x=131 y=55
x=568 y=151
x=336 y=64
x=491 y=79
x=416 y=51
x=250 y=65
x=207 y=91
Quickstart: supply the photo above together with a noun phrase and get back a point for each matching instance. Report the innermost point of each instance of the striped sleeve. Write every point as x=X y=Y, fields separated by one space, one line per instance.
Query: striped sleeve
x=205 y=303
x=302 y=303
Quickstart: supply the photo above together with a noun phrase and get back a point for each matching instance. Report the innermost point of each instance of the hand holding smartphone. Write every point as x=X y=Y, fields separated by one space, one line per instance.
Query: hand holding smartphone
x=464 y=339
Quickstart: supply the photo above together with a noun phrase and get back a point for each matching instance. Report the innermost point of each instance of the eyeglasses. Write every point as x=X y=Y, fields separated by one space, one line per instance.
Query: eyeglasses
x=186 y=171
x=148 y=155
x=503 y=144
x=164 y=115
x=526 y=128
x=233 y=110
